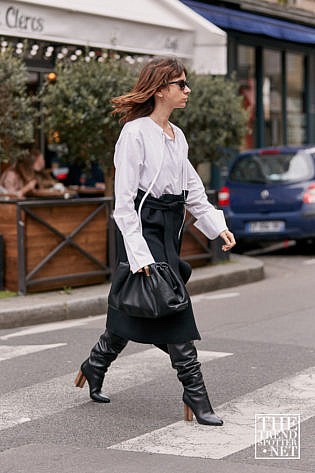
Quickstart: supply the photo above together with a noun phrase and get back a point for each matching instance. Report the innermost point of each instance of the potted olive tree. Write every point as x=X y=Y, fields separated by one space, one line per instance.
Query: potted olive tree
x=77 y=109
x=76 y=113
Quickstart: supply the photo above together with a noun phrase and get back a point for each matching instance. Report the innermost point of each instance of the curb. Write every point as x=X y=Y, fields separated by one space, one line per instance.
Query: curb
x=239 y=270
x=88 y=301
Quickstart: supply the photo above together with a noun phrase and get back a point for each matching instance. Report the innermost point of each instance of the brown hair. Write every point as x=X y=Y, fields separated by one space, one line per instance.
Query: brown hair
x=155 y=75
x=24 y=168
x=35 y=152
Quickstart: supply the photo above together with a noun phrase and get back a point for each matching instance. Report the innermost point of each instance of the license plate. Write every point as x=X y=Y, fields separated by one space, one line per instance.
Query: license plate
x=265 y=226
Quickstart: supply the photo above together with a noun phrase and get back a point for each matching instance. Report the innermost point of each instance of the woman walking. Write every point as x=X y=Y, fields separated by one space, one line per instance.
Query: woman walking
x=151 y=161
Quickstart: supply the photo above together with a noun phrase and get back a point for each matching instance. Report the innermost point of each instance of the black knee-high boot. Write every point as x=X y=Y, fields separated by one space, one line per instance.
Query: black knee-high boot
x=94 y=368
x=162 y=346
x=184 y=360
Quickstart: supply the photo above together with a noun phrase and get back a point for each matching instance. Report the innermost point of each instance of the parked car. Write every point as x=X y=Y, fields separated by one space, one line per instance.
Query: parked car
x=270 y=194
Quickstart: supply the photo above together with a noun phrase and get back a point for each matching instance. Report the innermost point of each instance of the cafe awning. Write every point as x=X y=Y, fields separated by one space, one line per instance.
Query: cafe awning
x=246 y=22
x=152 y=27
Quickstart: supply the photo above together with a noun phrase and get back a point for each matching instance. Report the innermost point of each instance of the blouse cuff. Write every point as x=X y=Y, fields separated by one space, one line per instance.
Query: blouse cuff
x=140 y=257
x=211 y=225
x=136 y=265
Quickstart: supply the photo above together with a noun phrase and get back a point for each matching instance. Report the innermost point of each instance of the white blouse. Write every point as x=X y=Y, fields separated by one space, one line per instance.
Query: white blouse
x=141 y=151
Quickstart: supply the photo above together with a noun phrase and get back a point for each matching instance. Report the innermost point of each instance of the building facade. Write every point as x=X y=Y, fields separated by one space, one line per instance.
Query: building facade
x=268 y=44
x=271 y=50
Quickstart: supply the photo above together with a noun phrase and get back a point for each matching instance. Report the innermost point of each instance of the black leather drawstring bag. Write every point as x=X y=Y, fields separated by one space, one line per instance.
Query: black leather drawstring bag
x=161 y=294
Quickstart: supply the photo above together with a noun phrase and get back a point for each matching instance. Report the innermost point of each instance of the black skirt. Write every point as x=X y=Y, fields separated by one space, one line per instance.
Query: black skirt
x=161 y=227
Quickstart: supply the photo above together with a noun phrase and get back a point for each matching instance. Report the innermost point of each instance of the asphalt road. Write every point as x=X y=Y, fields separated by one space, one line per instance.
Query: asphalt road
x=258 y=358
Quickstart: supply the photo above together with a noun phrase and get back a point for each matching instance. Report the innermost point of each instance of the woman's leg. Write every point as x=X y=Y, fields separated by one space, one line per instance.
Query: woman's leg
x=94 y=368
x=184 y=359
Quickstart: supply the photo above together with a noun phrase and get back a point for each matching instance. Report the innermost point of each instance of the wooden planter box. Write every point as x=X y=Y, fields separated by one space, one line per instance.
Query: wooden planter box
x=52 y=244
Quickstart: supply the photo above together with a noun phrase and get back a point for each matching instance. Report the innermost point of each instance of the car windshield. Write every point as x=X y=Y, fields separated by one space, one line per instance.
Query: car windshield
x=284 y=167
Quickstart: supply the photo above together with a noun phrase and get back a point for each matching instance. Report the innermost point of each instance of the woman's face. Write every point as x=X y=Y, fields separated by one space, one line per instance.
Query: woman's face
x=176 y=93
x=39 y=163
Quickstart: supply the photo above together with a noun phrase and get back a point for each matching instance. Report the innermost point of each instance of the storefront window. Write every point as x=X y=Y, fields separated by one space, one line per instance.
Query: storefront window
x=294 y=99
x=246 y=76
x=272 y=98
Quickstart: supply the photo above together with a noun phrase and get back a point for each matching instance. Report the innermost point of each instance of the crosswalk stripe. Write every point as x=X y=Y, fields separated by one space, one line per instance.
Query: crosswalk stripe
x=226 y=295
x=51 y=327
x=212 y=297
x=7 y=351
x=57 y=394
x=309 y=261
x=294 y=395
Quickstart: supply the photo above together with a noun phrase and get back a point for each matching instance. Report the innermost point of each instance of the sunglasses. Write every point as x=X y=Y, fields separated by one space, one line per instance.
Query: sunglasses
x=181 y=83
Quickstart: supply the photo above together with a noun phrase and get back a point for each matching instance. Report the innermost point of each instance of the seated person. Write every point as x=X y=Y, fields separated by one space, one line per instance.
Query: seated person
x=27 y=176
x=18 y=180
x=43 y=176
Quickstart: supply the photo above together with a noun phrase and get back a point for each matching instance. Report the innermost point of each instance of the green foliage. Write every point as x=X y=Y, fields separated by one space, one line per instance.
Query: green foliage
x=5 y=294
x=16 y=108
x=77 y=111
x=66 y=290
x=77 y=108
x=214 y=119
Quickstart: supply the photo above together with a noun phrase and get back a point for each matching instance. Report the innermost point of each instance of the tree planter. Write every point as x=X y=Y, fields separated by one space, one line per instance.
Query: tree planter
x=51 y=244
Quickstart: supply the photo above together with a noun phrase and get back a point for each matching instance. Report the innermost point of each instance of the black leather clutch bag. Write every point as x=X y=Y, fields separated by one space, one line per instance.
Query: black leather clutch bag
x=161 y=294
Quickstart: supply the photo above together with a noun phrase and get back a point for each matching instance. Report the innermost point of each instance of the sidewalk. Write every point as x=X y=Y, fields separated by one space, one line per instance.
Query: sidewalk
x=92 y=300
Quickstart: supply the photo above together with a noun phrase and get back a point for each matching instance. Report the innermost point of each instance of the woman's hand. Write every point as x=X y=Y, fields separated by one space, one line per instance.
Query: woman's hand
x=30 y=186
x=229 y=240
x=146 y=269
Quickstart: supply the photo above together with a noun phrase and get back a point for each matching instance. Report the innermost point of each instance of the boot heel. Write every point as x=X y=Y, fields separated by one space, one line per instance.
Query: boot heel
x=80 y=380
x=188 y=413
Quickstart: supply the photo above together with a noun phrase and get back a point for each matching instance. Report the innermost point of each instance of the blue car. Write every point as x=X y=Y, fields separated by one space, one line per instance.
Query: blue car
x=270 y=194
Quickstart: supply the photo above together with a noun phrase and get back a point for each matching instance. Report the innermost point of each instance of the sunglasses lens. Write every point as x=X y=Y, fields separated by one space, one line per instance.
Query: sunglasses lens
x=181 y=83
